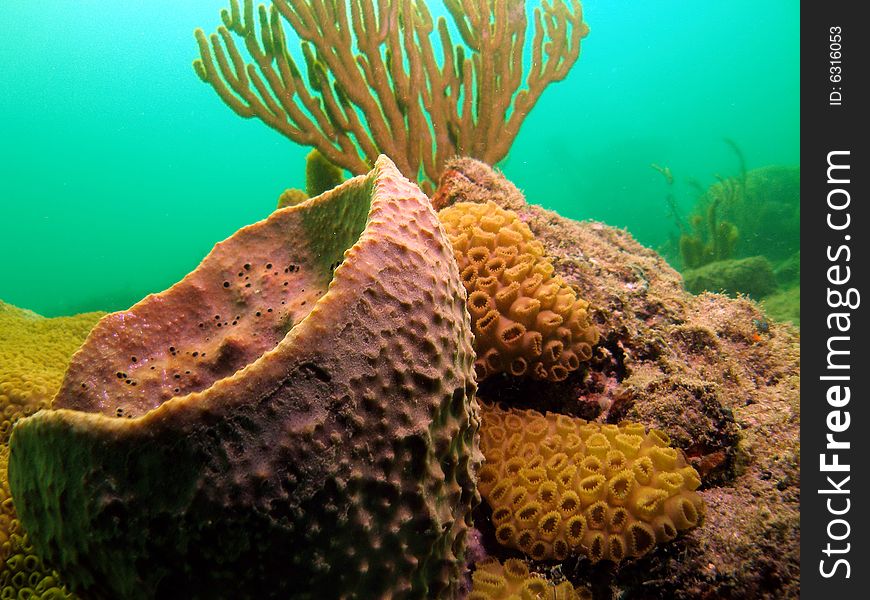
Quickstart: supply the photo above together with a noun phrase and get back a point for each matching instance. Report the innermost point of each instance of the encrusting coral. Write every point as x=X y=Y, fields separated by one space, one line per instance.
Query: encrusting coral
x=559 y=485
x=294 y=416
x=709 y=370
x=373 y=83
x=526 y=320
x=34 y=353
x=512 y=580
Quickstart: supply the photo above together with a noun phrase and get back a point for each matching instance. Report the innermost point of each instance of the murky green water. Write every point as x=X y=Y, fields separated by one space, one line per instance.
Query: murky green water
x=120 y=169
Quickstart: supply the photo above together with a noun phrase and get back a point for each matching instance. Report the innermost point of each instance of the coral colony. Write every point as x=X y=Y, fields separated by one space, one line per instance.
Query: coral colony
x=378 y=83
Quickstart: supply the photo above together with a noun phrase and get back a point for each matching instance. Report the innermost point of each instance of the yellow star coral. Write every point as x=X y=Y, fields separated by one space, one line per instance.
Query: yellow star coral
x=34 y=354
x=559 y=485
x=493 y=581
x=527 y=321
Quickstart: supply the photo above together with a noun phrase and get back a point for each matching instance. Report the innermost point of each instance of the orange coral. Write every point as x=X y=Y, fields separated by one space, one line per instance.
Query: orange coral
x=492 y=580
x=527 y=321
x=559 y=485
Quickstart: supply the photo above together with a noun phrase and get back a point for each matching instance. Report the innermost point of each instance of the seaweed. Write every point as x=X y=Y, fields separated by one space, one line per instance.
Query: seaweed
x=708 y=238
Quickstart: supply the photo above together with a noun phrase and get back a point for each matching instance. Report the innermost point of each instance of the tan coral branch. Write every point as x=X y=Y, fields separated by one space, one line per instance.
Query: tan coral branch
x=372 y=81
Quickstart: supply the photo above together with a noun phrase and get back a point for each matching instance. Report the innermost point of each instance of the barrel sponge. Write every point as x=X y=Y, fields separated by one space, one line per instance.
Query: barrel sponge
x=559 y=485
x=294 y=418
x=34 y=353
x=22 y=572
x=512 y=580
x=527 y=321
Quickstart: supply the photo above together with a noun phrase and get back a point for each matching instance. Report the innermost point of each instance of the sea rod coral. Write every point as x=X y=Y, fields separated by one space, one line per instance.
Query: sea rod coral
x=295 y=417
x=373 y=81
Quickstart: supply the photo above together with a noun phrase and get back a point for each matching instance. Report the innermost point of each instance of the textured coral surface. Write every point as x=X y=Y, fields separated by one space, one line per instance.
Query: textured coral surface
x=493 y=580
x=559 y=485
x=526 y=320
x=713 y=372
x=34 y=353
x=329 y=456
x=22 y=572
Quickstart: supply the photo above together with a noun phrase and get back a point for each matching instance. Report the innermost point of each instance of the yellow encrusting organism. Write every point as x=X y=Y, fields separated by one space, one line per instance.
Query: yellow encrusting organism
x=512 y=580
x=527 y=321
x=34 y=354
x=22 y=572
x=559 y=485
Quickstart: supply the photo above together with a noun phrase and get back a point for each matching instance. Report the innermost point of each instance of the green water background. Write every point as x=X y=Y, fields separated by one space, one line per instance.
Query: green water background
x=119 y=169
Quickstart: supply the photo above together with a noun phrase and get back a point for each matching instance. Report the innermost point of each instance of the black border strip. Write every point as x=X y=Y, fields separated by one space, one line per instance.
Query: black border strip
x=835 y=262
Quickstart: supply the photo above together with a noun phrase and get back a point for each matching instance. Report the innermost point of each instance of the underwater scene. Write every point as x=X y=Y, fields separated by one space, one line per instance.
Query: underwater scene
x=460 y=299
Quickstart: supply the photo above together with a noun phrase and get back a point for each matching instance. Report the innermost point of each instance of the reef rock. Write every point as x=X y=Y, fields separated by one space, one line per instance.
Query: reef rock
x=295 y=418
x=710 y=371
x=753 y=276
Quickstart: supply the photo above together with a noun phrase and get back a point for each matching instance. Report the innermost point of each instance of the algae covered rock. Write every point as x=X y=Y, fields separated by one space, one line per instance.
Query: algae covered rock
x=784 y=305
x=698 y=367
x=295 y=418
x=753 y=276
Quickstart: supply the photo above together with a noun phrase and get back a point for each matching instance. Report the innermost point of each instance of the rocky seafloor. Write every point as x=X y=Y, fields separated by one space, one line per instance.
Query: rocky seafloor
x=714 y=372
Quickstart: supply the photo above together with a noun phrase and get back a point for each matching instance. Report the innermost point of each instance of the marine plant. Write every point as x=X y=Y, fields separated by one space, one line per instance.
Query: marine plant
x=372 y=81
x=708 y=238
x=297 y=415
x=711 y=239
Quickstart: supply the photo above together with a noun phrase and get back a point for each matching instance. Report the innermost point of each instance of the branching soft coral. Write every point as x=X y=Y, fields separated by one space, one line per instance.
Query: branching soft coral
x=372 y=82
